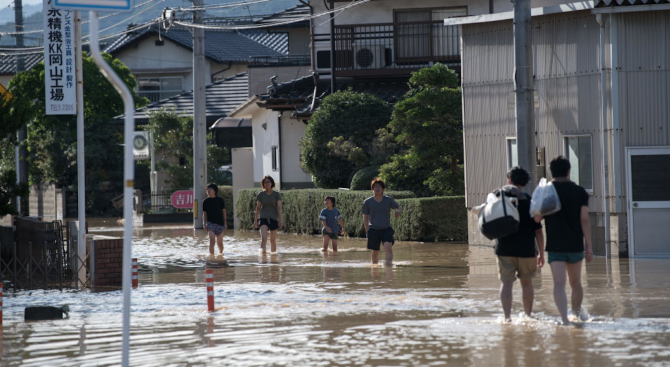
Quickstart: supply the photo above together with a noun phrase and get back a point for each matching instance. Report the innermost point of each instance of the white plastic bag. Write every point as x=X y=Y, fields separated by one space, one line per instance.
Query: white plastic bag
x=545 y=199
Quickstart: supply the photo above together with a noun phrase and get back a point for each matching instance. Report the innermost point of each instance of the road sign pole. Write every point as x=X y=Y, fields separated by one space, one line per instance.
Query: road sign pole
x=128 y=181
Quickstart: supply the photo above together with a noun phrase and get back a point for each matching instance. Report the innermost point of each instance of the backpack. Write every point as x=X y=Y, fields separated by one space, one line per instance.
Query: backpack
x=499 y=217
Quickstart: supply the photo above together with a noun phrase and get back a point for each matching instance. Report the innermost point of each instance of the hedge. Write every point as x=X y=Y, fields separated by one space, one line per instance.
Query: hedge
x=226 y=192
x=423 y=219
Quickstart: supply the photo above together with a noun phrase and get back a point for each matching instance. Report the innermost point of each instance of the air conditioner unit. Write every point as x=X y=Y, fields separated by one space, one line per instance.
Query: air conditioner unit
x=369 y=56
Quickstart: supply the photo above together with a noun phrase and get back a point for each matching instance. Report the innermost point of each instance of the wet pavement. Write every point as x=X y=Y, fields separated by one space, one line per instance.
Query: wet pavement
x=437 y=305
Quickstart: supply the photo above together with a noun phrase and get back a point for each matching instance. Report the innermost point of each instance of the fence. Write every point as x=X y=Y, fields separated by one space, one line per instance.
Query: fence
x=160 y=203
x=38 y=256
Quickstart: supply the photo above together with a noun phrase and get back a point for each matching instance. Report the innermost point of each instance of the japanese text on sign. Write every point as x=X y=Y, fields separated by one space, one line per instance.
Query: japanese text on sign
x=59 y=68
x=182 y=199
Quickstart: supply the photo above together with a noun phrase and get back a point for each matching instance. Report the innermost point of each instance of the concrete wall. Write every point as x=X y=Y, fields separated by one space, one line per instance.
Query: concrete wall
x=47 y=202
x=293 y=175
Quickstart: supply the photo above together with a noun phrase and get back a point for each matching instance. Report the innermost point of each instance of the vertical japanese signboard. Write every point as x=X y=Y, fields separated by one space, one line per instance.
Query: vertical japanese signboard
x=59 y=69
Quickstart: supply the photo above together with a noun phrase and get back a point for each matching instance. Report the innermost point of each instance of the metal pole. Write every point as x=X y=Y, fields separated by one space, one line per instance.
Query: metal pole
x=81 y=166
x=22 y=165
x=524 y=90
x=152 y=177
x=128 y=180
x=199 y=117
x=604 y=146
x=333 y=82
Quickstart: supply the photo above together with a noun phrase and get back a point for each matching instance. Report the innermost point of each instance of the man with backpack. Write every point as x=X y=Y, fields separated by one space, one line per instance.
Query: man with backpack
x=518 y=255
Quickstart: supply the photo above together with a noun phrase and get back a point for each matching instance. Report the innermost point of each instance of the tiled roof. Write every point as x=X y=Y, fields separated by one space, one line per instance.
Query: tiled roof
x=296 y=14
x=8 y=62
x=220 y=45
x=297 y=94
x=221 y=98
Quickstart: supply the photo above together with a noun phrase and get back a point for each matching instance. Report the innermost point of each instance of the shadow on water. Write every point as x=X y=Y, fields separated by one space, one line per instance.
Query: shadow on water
x=302 y=307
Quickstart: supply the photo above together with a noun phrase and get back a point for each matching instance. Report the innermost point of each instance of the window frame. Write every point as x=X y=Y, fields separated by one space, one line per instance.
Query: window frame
x=566 y=150
x=160 y=91
x=508 y=149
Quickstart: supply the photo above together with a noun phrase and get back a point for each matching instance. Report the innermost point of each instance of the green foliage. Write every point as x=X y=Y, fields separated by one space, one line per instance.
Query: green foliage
x=423 y=219
x=14 y=114
x=226 y=192
x=427 y=124
x=349 y=122
x=442 y=218
x=9 y=190
x=52 y=140
x=362 y=178
x=173 y=138
x=301 y=208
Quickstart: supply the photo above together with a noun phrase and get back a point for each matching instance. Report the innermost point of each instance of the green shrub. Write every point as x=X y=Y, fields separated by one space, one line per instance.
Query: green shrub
x=226 y=192
x=423 y=219
x=362 y=178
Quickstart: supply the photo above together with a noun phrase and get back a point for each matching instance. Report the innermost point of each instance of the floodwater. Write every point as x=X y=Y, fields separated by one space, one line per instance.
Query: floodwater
x=437 y=305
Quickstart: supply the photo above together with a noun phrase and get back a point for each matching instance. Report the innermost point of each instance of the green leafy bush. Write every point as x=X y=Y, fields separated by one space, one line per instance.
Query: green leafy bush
x=349 y=121
x=362 y=178
x=423 y=219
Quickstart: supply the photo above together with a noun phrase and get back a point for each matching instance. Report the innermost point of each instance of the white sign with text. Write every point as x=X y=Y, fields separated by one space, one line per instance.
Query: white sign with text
x=59 y=68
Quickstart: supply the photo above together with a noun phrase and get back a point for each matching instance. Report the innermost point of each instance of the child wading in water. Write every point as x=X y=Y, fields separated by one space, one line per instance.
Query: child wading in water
x=330 y=217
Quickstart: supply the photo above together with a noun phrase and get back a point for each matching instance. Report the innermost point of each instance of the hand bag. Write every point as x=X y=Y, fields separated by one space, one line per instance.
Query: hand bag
x=499 y=217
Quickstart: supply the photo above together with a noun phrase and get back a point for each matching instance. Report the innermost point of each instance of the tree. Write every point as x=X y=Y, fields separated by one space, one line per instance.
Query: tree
x=9 y=189
x=427 y=124
x=14 y=113
x=52 y=140
x=173 y=138
x=341 y=135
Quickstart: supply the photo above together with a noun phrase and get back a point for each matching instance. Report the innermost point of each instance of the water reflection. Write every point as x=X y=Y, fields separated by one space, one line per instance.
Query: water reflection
x=437 y=305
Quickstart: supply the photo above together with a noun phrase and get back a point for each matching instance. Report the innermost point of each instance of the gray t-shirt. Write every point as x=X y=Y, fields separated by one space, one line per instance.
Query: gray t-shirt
x=331 y=217
x=379 y=213
x=269 y=204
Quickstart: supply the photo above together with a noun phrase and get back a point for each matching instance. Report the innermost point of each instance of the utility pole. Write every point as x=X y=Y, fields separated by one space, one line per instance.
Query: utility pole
x=199 y=116
x=22 y=164
x=524 y=88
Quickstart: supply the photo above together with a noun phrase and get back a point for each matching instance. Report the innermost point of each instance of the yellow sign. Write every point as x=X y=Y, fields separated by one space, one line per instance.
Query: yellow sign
x=5 y=93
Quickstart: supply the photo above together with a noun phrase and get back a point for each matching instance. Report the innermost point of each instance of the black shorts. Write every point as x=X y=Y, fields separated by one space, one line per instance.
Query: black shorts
x=378 y=236
x=272 y=224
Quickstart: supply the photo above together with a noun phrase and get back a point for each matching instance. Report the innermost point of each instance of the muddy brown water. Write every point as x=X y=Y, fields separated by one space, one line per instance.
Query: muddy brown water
x=437 y=305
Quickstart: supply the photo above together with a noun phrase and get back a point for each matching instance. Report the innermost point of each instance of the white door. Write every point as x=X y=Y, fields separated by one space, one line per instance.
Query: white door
x=648 y=171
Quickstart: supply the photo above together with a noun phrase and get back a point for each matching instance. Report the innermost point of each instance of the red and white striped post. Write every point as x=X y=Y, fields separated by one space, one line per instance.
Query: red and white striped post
x=134 y=277
x=209 y=280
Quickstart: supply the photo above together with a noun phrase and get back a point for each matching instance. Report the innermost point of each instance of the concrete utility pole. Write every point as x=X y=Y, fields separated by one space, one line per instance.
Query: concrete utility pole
x=524 y=88
x=199 y=117
x=22 y=164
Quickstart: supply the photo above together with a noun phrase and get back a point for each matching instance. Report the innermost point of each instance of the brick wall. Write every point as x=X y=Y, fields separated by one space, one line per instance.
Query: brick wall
x=107 y=257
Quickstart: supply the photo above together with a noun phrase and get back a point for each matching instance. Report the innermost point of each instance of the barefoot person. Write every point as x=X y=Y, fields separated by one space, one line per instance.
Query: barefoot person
x=268 y=213
x=214 y=217
x=332 y=222
x=377 y=220
x=518 y=256
x=567 y=231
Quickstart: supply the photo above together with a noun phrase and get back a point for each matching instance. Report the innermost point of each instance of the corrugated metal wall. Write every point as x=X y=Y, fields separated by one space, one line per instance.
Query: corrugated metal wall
x=566 y=57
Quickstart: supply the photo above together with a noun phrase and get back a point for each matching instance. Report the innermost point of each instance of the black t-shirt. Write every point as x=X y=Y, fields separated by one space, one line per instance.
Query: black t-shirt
x=214 y=208
x=564 y=229
x=521 y=243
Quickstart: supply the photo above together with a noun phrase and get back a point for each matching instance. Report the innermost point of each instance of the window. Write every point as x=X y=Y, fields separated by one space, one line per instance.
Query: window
x=512 y=153
x=421 y=34
x=578 y=152
x=275 y=156
x=159 y=87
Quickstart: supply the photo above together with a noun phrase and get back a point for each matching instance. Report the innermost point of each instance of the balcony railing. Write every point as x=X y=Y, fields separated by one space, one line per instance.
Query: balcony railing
x=394 y=48
x=284 y=60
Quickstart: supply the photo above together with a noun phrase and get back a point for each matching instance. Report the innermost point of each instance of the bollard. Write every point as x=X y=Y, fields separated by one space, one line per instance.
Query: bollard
x=134 y=278
x=209 y=280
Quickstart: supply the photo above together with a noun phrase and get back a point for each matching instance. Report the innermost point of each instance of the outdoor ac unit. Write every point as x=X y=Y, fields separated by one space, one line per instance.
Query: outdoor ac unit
x=368 y=56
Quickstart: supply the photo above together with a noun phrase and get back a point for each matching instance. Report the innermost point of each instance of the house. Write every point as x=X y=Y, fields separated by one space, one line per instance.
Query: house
x=602 y=81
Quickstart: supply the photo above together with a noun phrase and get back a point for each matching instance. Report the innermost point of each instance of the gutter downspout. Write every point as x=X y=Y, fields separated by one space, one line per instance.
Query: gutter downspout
x=604 y=146
x=333 y=82
x=311 y=33
x=616 y=128
x=281 y=187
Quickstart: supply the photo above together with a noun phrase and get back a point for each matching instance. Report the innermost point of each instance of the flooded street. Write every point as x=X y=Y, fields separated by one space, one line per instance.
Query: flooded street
x=438 y=305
